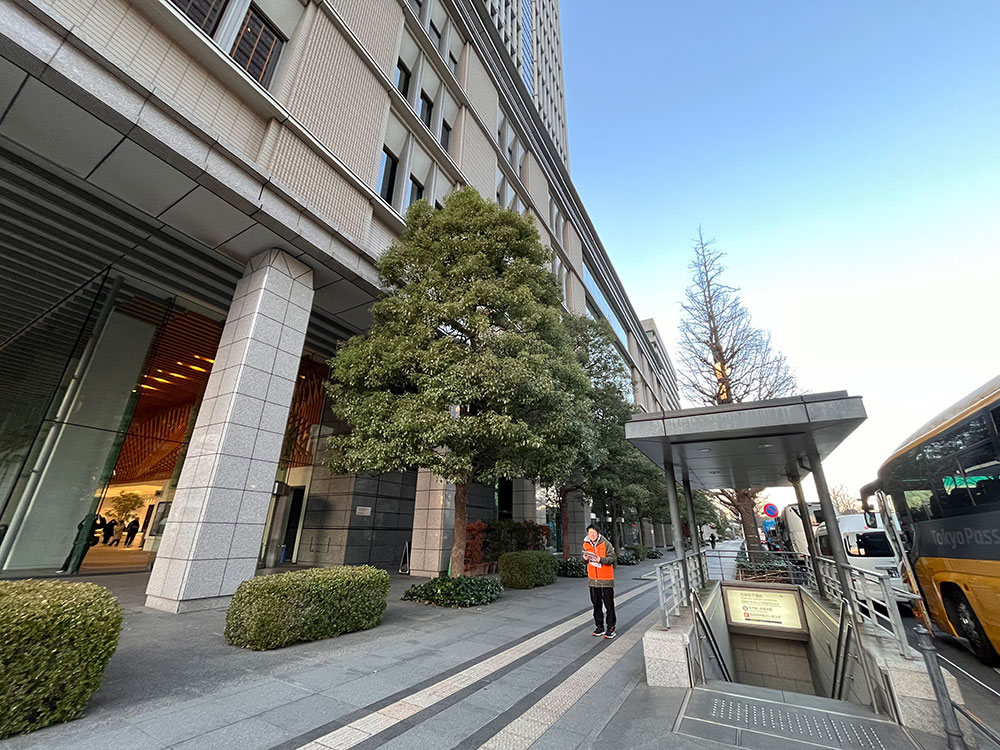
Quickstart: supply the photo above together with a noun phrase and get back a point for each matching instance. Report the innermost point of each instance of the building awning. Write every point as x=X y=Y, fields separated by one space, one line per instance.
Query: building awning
x=752 y=444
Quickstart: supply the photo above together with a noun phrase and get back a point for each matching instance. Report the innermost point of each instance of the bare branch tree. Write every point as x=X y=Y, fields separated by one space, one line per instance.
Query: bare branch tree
x=725 y=359
x=844 y=500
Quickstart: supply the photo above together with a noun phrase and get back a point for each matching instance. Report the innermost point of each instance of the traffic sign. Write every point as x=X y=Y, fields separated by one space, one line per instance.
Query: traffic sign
x=771 y=510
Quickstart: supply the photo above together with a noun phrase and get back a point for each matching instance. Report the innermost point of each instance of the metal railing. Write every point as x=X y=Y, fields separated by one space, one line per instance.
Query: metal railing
x=874 y=601
x=670 y=583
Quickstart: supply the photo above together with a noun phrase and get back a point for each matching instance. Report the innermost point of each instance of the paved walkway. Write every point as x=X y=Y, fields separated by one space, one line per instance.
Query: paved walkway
x=523 y=672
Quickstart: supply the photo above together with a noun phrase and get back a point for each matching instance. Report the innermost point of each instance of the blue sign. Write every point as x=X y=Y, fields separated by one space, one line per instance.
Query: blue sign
x=769 y=524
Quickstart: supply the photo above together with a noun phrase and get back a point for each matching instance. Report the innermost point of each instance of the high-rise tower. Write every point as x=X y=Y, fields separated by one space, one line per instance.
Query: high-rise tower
x=530 y=32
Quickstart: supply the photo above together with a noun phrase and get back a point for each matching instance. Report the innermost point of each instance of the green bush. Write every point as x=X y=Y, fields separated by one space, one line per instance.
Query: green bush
x=525 y=570
x=627 y=557
x=575 y=567
x=655 y=554
x=463 y=591
x=639 y=551
x=55 y=641
x=306 y=605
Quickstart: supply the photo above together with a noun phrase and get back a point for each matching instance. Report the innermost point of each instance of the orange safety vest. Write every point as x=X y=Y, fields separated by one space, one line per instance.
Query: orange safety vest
x=597 y=571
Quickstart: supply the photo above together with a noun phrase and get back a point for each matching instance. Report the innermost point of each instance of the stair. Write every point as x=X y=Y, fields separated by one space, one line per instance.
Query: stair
x=751 y=717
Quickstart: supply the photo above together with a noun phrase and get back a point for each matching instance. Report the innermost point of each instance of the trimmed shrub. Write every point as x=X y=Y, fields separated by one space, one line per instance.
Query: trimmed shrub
x=575 y=567
x=525 y=570
x=639 y=551
x=306 y=605
x=655 y=554
x=57 y=638
x=627 y=557
x=463 y=591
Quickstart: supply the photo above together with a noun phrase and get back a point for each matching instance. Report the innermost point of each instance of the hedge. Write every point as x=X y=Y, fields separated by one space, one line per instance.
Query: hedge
x=56 y=639
x=525 y=570
x=306 y=605
x=462 y=591
x=639 y=551
x=505 y=536
x=627 y=557
x=574 y=567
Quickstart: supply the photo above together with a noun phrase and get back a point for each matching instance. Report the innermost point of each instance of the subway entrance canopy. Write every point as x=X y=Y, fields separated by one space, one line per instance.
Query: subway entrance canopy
x=751 y=444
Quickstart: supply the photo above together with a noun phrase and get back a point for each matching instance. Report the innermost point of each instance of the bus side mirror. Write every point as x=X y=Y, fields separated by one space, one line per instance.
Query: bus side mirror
x=871 y=519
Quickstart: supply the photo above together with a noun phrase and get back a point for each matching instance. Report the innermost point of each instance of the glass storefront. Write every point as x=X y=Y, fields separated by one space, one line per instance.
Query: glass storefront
x=100 y=393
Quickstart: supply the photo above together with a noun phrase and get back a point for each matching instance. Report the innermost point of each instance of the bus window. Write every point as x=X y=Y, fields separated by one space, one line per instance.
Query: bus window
x=919 y=504
x=981 y=472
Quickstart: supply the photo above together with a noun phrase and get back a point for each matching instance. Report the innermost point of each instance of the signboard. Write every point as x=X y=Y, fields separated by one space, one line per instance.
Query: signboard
x=771 y=510
x=769 y=607
x=364 y=510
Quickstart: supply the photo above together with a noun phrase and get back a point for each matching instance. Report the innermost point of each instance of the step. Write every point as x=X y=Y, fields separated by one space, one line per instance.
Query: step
x=747 y=716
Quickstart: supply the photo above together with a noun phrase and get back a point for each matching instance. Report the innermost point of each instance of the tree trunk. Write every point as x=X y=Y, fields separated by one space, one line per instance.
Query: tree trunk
x=564 y=521
x=461 y=521
x=745 y=501
x=642 y=533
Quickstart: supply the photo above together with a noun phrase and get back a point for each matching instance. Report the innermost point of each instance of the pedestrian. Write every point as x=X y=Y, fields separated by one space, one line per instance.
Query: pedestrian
x=601 y=558
x=117 y=534
x=130 y=531
x=711 y=540
x=109 y=530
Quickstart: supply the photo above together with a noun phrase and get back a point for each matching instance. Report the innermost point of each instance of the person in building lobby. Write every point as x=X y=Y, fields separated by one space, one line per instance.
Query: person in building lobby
x=130 y=531
x=601 y=558
x=116 y=534
x=109 y=530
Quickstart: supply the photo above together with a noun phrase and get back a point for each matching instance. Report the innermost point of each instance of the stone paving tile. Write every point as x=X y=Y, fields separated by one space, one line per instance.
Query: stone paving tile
x=51 y=738
x=264 y=697
x=557 y=738
x=182 y=725
x=248 y=734
x=306 y=713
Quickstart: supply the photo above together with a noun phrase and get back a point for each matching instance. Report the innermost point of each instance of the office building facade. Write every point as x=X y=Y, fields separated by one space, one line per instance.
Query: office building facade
x=195 y=192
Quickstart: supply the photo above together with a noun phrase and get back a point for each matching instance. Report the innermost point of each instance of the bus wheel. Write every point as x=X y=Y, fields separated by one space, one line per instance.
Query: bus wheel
x=966 y=623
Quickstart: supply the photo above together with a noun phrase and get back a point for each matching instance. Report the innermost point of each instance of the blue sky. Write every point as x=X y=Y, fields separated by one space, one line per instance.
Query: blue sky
x=845 y=154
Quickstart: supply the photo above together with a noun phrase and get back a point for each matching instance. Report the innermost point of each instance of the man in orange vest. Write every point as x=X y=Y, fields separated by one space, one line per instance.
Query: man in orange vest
x=601 y=558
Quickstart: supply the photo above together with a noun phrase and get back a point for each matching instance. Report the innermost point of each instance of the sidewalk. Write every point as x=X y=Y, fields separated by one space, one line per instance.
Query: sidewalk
x=522 y=672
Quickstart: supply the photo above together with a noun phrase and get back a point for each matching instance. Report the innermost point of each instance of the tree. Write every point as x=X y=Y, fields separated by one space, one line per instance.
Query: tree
x=607 y=383
x=627 y=480
x=726 y=359
x=844 y=501
x=467 y=370
x=125 y=504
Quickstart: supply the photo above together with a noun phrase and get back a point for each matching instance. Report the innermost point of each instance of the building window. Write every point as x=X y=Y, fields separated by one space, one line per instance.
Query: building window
x=257 y=47
x=445 y=135
x=387 y=175
x=435 y=36
x=415 y=4
x=416 y=191
x=402 y=78
x=453 y=63
x=204 y=14
x=426 y=108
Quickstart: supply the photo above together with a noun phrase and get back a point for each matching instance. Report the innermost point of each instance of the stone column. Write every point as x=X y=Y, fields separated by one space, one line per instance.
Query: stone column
x=213 y=535
x=526 y=504
x=433 y=526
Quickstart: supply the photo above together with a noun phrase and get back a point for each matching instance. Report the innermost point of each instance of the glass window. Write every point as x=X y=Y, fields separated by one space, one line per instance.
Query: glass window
x=426 y=108
x=445 y=135
x=867 y=544
x=435 y=35
x=453 y=63
x=402 y=78
x=204 y=14
x=387 y=175
x=825 y=550
x=607 y=312
x=257 y=47
x=416 y=191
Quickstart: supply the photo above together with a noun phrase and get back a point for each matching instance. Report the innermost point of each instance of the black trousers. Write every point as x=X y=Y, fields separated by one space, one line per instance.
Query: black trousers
x=605 y=596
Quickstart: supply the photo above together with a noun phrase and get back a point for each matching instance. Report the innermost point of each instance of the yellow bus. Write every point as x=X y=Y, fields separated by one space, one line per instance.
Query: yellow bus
x=944 y=484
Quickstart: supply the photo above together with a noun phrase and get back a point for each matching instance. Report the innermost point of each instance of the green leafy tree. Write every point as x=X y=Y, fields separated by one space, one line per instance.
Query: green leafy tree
x=125 y=504
x=626 y=484
x=468 y=370
x=607 y=377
